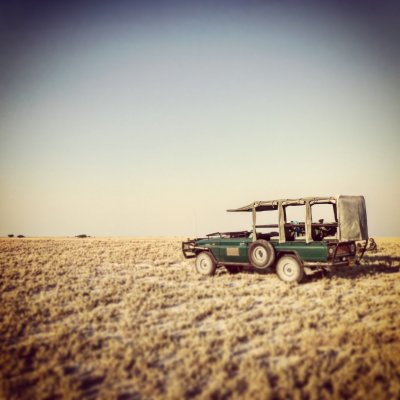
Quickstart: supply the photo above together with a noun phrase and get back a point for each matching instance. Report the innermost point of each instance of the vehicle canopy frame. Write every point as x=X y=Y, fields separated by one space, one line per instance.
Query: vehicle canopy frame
x=350 y=215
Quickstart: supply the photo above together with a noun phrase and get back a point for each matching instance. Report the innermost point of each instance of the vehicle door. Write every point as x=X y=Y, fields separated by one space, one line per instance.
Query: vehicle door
x=235 y=250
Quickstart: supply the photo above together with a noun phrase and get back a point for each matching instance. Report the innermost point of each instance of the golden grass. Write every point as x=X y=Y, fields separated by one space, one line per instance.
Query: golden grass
x=130 y=319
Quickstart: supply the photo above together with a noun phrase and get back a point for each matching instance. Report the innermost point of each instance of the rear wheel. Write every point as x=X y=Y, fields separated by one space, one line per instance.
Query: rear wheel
x=261 y=254
x=289 y=269
x=205 y=264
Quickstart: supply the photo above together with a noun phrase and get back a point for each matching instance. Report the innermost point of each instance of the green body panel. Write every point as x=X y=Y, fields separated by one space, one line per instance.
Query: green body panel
x=228 y=250
x=235 y=250
x=313 y=251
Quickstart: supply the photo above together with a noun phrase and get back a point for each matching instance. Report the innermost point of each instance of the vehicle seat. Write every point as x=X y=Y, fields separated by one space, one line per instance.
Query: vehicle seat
x=290 y=234
x=267 y=236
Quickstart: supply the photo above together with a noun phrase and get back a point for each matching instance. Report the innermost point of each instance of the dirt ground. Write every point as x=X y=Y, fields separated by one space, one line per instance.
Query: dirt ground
x=131 y=319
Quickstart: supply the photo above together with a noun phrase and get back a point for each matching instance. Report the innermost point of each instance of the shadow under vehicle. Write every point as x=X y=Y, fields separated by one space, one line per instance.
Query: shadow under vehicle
x=290 y=246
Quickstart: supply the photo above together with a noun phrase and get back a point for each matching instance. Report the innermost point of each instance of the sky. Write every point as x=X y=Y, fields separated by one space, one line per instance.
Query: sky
x=152 y=118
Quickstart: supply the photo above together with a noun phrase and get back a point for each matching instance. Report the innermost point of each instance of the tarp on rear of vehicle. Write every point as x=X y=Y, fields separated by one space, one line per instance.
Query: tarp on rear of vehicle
x=352 y=218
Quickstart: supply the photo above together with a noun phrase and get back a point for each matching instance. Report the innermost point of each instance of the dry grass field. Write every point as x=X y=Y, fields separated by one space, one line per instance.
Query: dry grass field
x=131 y=319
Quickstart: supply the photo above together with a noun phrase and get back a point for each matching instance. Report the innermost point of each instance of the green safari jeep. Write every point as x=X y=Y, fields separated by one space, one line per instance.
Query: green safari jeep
x=288 y=245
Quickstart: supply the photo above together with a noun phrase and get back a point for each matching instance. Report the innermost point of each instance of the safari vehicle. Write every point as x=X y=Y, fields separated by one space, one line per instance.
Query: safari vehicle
x=288 y=245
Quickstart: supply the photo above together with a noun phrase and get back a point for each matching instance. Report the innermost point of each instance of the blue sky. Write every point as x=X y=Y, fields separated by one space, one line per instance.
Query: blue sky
x=127 y=119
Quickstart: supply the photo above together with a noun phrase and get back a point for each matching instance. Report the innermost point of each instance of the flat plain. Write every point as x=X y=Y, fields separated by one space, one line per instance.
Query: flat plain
x=129 y=318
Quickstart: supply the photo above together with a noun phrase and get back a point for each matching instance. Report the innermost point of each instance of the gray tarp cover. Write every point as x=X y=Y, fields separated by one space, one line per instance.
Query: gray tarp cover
x=352 y=216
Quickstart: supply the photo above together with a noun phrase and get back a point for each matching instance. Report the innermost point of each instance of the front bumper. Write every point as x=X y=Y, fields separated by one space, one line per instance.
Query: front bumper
x=190 y=249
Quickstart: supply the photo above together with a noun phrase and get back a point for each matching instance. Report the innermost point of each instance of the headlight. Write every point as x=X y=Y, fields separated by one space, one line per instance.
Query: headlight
x=352 y=248
x=330 y=251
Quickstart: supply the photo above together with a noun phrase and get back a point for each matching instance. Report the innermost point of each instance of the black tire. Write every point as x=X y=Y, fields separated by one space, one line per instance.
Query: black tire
x=233 y=269
x=289 y=269
x=205 y=264
x=261 y=254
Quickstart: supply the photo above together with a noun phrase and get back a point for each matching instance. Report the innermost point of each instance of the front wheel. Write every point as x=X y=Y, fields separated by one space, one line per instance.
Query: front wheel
x=205 y=264
x=289 y=269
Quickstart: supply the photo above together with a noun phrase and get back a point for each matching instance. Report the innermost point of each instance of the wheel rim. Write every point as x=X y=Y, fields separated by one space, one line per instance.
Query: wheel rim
x=204 y=264
x=260 y=255
x=289 y=269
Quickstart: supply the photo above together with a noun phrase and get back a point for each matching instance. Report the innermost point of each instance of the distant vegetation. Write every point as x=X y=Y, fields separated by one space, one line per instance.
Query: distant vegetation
x=82 y=236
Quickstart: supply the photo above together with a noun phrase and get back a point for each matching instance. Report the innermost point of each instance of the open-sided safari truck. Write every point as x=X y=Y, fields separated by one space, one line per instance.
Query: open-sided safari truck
x=289 y=245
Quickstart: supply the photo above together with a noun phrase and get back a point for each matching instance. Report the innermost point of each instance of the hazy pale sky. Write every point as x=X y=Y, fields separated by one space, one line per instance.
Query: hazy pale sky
x=153 y=118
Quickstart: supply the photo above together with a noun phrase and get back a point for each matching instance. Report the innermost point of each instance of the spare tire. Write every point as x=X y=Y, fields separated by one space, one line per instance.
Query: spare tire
x=261 y=254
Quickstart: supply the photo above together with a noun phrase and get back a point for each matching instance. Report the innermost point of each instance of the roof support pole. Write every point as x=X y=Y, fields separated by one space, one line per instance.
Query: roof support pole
x=281 y=216
x=308 y=222
x=254 y=223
